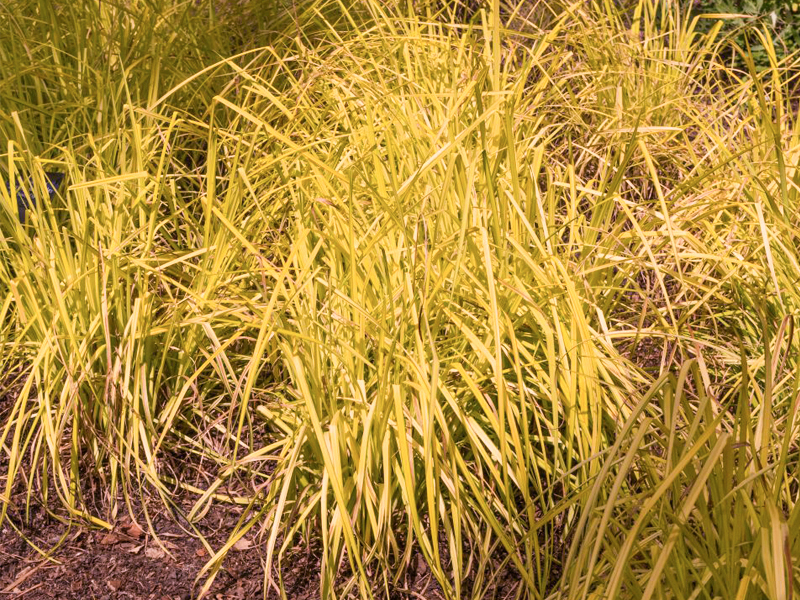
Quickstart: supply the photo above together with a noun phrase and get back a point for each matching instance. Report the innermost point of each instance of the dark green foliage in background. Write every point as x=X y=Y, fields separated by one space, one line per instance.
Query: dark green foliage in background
x=781 y=17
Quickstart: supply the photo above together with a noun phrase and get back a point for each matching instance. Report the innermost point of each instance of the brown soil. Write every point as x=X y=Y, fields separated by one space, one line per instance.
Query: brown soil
x=128 y=562
x=134 y=562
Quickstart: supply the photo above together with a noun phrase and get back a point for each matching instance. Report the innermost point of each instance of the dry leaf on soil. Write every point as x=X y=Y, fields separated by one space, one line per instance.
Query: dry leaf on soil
x=153 y=552
x=242 y=544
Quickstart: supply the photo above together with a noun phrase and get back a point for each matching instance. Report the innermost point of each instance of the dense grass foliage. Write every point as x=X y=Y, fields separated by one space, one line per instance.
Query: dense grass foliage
x=515 y=298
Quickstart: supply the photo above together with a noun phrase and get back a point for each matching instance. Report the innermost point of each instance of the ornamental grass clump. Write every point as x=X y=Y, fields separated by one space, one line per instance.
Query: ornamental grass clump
x=514 y=298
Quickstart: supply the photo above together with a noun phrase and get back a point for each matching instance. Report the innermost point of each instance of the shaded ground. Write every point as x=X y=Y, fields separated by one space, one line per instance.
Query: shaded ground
x=128 y=562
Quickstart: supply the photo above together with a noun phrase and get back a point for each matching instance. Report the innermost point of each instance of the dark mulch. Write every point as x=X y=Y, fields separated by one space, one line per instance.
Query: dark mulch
x=128 y=563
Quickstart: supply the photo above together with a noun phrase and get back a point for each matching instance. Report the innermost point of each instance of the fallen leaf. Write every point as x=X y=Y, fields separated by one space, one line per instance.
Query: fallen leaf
x=114 y=584
x=109 y=539
x=134 y=531
x=242 y=544
x=422 y=566
x=154 y=553
x=135 y=549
